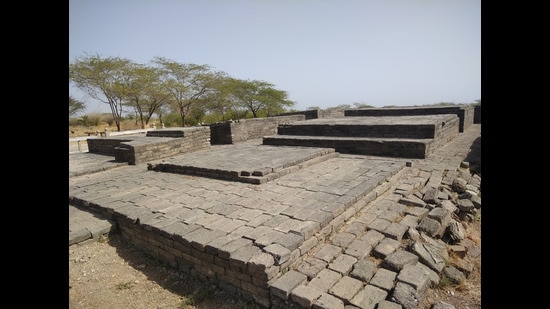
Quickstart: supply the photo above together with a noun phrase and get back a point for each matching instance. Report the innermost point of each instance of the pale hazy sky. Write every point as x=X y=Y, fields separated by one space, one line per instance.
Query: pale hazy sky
x=322 y=53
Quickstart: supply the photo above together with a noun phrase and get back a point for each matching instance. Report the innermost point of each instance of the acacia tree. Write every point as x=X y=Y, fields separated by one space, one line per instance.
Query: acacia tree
x=75 y=106
x=162 y=110
x=260 y=96
x=145 y=94
x=220 y=100
x=104 y=79
x=187 y=83
x=362 y=105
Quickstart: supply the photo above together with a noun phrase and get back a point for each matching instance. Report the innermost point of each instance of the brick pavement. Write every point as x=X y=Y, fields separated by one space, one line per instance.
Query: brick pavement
x=364 y=263
x=324 y=208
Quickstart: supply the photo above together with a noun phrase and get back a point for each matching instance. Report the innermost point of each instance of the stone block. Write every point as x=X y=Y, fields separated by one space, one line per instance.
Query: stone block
x=406 y=296
x=398 y=259
x=373 y=237
x=369 y=297
x=416 y=277
x=383 y=279
x=346 y=288
x=431 y=227
x=359 y=249
x=286 y=283
x=327 y=301
x=342 y=264
x=379 y=225
x=343 y=239
x=324 y=280
x=396 y=231
x=328 y=252
x=311 y=266
x=305 y=295
x=363 y=270
x=440 y=214
x=386 y=247
x=280 y=254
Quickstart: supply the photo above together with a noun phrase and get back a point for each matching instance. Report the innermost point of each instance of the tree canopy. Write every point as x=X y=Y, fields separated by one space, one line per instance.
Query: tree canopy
x=104 y=79
x=259 y=96
x=190 y=90
x=75 y=106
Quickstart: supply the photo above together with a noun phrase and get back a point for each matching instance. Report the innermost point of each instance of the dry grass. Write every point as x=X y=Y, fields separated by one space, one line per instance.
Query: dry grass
x=79 y=130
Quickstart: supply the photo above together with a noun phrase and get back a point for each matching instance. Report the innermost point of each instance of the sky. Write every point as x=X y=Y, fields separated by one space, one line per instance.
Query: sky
x=323 y=53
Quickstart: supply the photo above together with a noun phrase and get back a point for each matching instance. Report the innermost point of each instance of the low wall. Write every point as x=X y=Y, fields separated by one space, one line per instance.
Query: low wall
x=151 y=148
x=477 y=114
x=465 y=113
x=156 y=145
x=231 y=132
x=407 y=139
x=361 y=130
x=445 y=132
x=236 y=265
x=228 y=269
x=105 y=145
x=318 y=113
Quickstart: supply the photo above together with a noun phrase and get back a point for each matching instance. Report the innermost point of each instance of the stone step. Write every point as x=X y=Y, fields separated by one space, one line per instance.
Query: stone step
x=386 y=147
x=403 y=127
x=264 y=163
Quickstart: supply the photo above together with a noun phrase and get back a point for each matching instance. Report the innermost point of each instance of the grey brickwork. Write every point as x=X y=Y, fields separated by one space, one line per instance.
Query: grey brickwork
x=158 y=144
x=389 y=136
x=234 y=131
x=318 y=113
x=303 y=240
x=464 y=112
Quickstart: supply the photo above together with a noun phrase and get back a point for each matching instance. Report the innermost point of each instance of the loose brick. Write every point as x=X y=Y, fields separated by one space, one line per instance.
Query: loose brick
x=305 y=295
x=286 y=283
x=369 y=297
x=346 y=288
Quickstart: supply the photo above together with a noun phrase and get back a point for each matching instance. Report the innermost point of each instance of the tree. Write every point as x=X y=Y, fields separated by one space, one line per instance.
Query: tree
x=75 y=106
x=220 y=101
x=258 y=96
x=145 y=94
x=362 y=105
x=186 y=83
x=161 y=111
x=341 y=106
x=104 y=79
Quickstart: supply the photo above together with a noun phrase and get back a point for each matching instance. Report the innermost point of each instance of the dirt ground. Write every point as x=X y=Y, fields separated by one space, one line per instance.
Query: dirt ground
x=111 y=273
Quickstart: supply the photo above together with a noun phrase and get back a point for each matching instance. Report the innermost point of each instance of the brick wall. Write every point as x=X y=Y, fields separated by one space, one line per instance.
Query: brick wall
x=318 y=113
x=477 y=114
x=465 y=113
x=156 y=145
x=229 y=269
x=105 y=145
x=235 y=265
x=151 y=148
x=360 y=130
x=231 y=132
x=445 y=132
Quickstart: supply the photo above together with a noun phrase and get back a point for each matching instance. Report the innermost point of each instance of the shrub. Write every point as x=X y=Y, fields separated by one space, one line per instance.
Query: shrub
x=172 y=120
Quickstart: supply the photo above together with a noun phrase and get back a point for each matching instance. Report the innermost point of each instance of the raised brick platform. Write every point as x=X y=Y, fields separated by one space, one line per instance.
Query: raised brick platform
x=465 y=113
x=252 y=239
x=249 y=162
x=239 y=236
x=157 y=144
x=401 y=136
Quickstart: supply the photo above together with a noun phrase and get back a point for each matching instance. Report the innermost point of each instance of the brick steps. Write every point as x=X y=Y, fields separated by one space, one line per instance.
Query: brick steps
x=413 y=137
x=253 y=175
x=386 y=147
